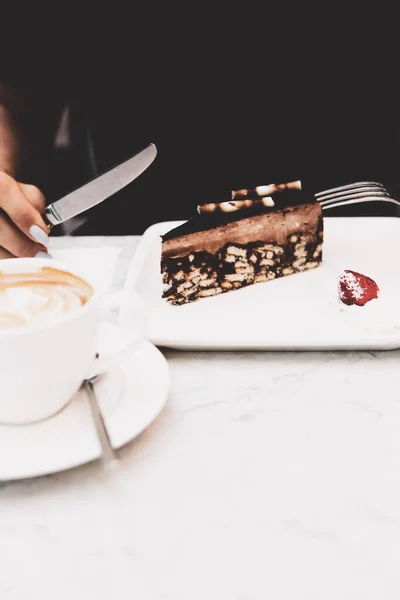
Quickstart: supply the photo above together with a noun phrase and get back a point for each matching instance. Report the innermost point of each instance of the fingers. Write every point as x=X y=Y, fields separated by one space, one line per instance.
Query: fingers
x=22 y=211
x=15 y=242
x=5 y=254
x=34 y=195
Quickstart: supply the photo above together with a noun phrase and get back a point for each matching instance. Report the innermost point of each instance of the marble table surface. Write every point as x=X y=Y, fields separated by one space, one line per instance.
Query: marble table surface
x=267 y=476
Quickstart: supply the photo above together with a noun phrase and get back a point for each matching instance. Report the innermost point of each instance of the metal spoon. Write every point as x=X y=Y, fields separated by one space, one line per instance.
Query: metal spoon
x=109 y=456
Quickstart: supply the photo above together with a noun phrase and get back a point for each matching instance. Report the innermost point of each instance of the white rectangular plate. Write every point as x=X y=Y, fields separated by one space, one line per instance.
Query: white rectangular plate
x=297 y=312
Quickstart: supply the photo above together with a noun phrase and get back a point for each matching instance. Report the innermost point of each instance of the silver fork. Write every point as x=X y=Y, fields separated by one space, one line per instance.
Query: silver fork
x=355 y=193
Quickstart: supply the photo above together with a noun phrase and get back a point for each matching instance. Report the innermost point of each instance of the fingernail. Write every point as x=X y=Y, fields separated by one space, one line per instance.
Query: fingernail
x=42 y=254
x=39 y=235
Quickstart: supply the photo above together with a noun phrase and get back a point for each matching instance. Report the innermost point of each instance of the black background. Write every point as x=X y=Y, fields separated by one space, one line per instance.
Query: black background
x=230 y=100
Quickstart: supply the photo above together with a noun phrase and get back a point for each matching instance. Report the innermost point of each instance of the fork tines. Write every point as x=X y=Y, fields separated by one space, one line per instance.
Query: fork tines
x=354 y=193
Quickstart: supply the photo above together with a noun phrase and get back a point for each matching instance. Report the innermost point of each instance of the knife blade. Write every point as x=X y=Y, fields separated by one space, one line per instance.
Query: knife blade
x=100 y=188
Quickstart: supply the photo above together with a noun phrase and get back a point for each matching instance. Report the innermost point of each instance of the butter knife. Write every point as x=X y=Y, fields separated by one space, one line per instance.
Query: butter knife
x=100 y=188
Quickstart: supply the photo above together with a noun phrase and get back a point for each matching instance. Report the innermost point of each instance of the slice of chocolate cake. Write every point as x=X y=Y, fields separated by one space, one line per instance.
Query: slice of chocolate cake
x=251 y=238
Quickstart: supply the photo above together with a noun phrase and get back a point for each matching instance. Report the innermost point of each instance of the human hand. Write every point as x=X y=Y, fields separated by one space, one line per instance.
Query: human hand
x=22 y=229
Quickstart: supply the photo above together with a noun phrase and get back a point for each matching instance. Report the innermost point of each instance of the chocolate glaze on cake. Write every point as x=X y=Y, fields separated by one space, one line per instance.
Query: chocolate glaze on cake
x=215 y=253
x=205 y=222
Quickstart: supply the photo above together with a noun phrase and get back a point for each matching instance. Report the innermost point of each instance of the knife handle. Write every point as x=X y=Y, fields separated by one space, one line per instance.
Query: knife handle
x=51 y=217
x=49 y=226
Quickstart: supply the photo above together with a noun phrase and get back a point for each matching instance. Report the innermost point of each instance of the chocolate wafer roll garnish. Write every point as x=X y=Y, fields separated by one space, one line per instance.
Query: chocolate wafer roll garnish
x=265 y=190
x=248 y=197
x=232 y=205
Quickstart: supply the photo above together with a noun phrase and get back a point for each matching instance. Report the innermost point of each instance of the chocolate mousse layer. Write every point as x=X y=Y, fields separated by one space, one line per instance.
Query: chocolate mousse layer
x=239 y=249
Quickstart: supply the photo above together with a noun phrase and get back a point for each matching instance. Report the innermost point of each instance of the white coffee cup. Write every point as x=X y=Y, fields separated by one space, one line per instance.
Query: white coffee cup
x=43 y=364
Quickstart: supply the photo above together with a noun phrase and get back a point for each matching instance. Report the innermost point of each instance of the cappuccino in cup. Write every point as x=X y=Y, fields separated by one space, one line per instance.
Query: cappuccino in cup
x=51 y=316
x=40 y=297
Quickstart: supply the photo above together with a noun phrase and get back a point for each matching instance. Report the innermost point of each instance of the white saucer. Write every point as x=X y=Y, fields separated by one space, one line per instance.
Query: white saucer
x=130 y=397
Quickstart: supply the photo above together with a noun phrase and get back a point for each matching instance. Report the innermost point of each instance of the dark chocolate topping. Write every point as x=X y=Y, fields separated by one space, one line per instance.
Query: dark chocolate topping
x=203 y=222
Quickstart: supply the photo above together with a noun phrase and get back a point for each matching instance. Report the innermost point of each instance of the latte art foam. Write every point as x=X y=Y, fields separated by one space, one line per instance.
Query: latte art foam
x=39 y=297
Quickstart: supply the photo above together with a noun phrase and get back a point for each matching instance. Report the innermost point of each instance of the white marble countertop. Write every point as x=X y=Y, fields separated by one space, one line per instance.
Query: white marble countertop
x=267 y=476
